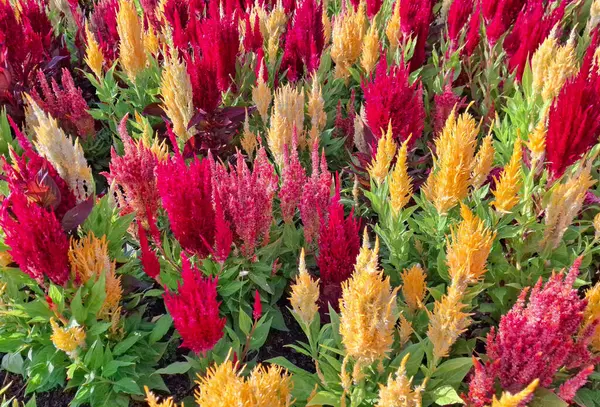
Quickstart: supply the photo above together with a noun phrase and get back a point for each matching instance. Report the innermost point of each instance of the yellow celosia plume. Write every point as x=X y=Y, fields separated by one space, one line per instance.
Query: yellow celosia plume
x=370 y=51
x=67 y=340
x=176 y=91
x=386 y=149
x=347 y=35
x=248 y=141
x=93 y=53
x=367 y=310
x=153 y=401
x=261 y=95
x=537 y=143
x=592 y=314
x=65 y=155
x=392 y=30
x=552 y=65
x=414 y=286
x=400 y=183
x=484 y=160
x=305 y=293
x=515 y=400
x=506 y=194
x=398 y=392
x=288 y=113
x=316 y=111
x=132 y=54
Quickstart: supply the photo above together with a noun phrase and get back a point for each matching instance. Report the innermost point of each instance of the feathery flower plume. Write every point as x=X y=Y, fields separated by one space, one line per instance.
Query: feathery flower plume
x=537 y=338
x=67 y=339
x=151 y=41
x=508 y=185
x=516 y=400
x=552 y=66
x=133 y=173
x=392 y=29
x=148 y=258
x=415 y=18
x=94 y=58
x=349 y=28
x=592 y=313
x=499 y=16
x=293 y=179
x=253 y=39
x=594 y=15
x=339 y=244
x=287 y=115
x=484 y=160
x=103 y=23
x=257 y=309
x=414 y=286
x=400 y=183
x=459 y=13
x=564 y=204
x=248 y=140
x=468 y=247
x=367 y=310
x=203 y=78
x=132 y=55
x=455 y=147
x=89 y=260
x=574 y=119
x=326 y=24
x=153 y=401
x=315 y=195
x=261 y=93
x=398 y=392
x=370 y=50
x=270 y=386
x=195 y=309
x=247 y=198
x=67 y=157
x=66 y=105
x=444 y=103
x=176 y=91
x=390 y=97
x=537 y=143
x=186 y=194
x=596 y=223
x=386 y=150
x=316 y=111
x=305 y=293
x=36 y=239
x=405 y=330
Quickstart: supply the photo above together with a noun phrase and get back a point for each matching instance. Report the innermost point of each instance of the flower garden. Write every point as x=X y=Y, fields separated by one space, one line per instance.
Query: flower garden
x=274 y=203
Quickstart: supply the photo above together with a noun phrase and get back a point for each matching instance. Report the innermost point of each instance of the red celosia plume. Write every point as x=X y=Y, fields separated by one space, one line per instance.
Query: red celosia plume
x=315 y=196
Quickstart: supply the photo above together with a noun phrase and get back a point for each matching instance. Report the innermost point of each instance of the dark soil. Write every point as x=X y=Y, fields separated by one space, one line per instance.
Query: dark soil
x=55 y=398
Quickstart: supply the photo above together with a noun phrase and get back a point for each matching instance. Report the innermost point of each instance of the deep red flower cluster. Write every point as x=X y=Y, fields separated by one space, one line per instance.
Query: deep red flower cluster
x=459 y=14
x=247 y=198
x=339 y=244
x=390 y=96
x=574 y=118
x=304 y=41
x=498 y=16
x=195 y=309
x=293 y=179
x=103 y=23
x=65 y=103
x=443 y=104
x=253 y=39
x=535 y=339
x=186 y=193
x=36 y=239
x=415 y=19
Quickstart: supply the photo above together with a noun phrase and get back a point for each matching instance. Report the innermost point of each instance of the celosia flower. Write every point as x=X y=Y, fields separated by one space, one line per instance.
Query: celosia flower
x=349 y=28
x=206 y=94
x=370 y=51
x=537 y=338
x=315 y=195
x=414 y=286
x=89 y=260
x=499 y=16
x=455 y=147
x=339 y=244
x=473 y=36
x=386 y=150
x=564 y=203
x=67 y=105
x=400 y=183
x=444 y=103
x=597 y=226
x=176 y=92
x=390 y=97
x=153 y=401
x=459 y=13
x=537 y=143
x=516 y=400
x=405 y=330
x=468 y=247
x=223 y=233
x=67 y=157
x=103 y=23
x=261 y=93
x=151 y=41
x=574 y=119
x=150 y=263
x=134 y=174
x=270 y=386
x=93 y=53
x=67 y=339
x=484 y=160
x=132 y=55
x=253 y=40
x=316 y=111
x=293 y=179
x=287 y=115
x=303 y=41
x=392 y=29
x=592 y=313
x=506 y=193
x=247 y=198
x=195 y=309
x=36 y=239
x=367 y=311
x=304 y=293
x=186 y=194
x=415 y=18
x=257 y=309
x=398 y=392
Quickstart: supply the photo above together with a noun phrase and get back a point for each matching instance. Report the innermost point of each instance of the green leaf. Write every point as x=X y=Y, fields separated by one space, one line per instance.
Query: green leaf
x=283 y=362
x=124 y=346
x=260 y=281
x=175 y=368
x=56 y=295
x=545 y=398
x=446 y=395
x=127 y=385
x=113 y=366
x=325 y=398
x=260 y=334
x=453 y=371
x=13 y=363
x=98 y=294
x=245 y=322
x=161 y=327
x=79 y=313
